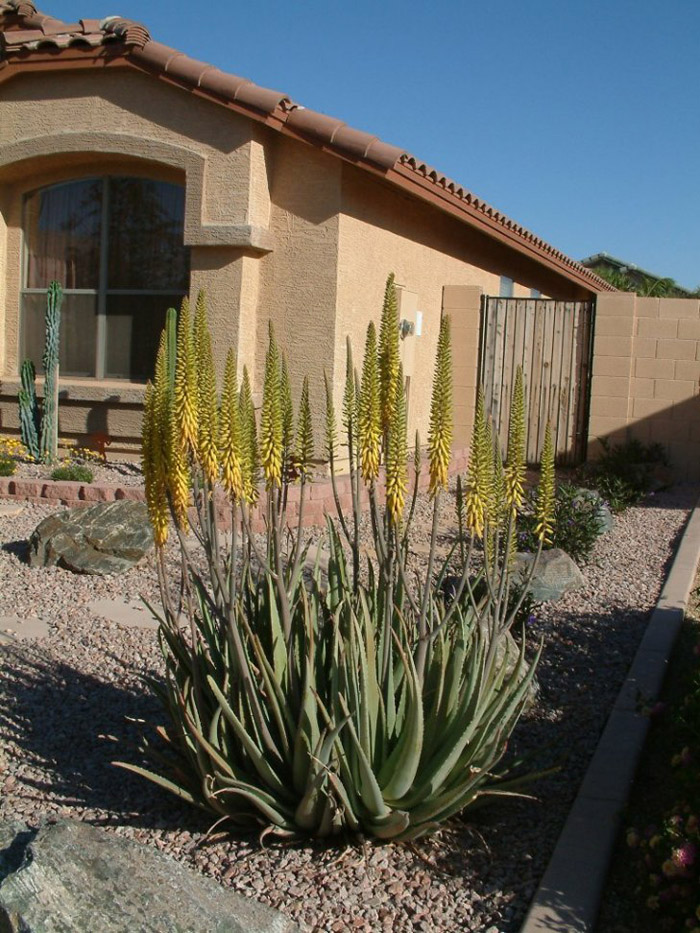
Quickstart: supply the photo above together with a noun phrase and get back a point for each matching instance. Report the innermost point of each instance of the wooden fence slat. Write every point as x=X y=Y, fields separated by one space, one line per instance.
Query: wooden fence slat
x=550 y=340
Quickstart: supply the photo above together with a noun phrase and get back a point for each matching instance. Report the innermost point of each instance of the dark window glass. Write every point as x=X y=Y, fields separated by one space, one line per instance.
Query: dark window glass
x=62 y=226
x=111 y=243
x=145 y=235
x=78 y=333
x=134 y=323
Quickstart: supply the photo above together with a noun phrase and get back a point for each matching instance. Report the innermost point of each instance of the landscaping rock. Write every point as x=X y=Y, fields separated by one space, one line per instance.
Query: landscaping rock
x=603 y=511
x=109 y=537
x=70 y=876
x=555 y=574
x=133 y=614
x=16 y=628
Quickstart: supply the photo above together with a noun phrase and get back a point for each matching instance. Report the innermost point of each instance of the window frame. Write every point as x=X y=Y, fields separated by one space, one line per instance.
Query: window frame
x=102 y=292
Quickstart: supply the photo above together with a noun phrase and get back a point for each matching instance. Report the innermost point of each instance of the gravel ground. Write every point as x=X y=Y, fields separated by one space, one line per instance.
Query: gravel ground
x=113 y=472
x=64 y=703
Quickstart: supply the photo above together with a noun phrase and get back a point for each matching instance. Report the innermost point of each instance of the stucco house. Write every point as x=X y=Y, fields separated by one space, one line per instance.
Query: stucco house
x=134 y=175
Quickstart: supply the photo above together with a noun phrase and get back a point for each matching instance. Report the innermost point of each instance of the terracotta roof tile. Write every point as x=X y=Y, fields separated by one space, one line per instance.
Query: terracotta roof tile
x=24 y=29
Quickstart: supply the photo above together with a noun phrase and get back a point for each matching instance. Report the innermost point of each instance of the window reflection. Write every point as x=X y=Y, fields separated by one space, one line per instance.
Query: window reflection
x=116 y=246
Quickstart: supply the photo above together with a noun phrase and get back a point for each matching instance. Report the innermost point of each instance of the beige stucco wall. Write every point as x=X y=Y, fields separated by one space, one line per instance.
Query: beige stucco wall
x=383 y=231
x=646 y=376
x=279 y=231
x=62 y=126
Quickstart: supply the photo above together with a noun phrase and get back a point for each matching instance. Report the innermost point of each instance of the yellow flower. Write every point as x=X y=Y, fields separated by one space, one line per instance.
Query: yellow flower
x=440 y=430
x=208 y=427
x=397 y=453
x=369 y=427
x=230 y=433
x=544 y=529
x=271 y=427
x=388 y=352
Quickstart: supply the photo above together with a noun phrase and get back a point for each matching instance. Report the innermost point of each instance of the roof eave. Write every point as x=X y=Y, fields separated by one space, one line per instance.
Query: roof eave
x=114 y=55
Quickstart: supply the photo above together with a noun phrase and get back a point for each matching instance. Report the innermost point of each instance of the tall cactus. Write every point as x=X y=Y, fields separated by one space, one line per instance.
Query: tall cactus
x=29 y=419
x=49 y=421
x=40 y=432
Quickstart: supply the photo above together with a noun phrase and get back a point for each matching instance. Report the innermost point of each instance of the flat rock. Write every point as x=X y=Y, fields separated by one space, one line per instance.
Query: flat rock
x=603 y=512
x=15 y=628
x=555 y=574
x=132 y=614
x=70 y=877
x=10 y=509
x=109 y=537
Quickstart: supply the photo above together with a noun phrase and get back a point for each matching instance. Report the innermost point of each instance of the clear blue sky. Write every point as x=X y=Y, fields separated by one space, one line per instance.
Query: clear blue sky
x=578 y=118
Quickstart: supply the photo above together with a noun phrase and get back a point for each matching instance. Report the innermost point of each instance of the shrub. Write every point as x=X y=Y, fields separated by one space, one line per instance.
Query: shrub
x=626 y=473
x=577 y=523
x=666 y=854
x=7 y=465
x=74 y=472
x=368 y=702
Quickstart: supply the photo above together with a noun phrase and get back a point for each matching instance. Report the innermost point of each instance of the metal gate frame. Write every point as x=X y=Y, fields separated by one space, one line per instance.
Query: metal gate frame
x=546 y=337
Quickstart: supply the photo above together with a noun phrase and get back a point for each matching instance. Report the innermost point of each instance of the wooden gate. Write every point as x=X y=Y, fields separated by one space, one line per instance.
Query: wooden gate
x=552 y=342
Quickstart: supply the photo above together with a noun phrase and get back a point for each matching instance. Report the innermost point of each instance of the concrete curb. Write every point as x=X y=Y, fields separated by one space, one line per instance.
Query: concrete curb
x=569 y=895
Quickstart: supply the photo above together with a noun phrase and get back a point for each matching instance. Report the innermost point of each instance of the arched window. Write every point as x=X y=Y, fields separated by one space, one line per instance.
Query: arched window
x=115 y=244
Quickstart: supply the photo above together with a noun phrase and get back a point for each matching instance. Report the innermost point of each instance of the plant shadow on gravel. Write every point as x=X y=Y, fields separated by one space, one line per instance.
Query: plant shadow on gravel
x=18 y=549
x=68 y=727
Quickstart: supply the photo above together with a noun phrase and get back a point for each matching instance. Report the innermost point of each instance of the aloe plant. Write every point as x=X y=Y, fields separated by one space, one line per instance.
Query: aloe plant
x=364 y=701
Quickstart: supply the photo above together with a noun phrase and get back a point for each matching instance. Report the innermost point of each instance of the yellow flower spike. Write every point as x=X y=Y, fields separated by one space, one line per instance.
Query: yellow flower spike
x=515 y=461
x=397 y=453
x=304 y=453
x=369 y=425
x=153 y=467
x=271 y=430
x=287 y=412
x=208 y=410
x=186 y=380
x=350 y=399
x=544 y=529
x=249 y=441
x=440 y=430
x=388 y=352
x=480 y=471
x=178 y=476
x=230 y=432
x=331 y=424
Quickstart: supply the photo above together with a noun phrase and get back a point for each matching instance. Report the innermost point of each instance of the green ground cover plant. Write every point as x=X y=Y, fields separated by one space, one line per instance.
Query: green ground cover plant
x=626 y=473
x=74 y=472
x=577 y=523
x=365 y=701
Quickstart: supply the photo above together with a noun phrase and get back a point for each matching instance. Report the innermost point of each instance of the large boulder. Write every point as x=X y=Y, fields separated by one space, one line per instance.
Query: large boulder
x=71 y=876
x=109 y=537
x=555 y=574
x=605 y=516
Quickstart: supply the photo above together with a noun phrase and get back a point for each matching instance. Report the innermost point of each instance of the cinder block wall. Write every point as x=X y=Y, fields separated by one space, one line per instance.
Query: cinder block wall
x=463 y=304
x=646 y=376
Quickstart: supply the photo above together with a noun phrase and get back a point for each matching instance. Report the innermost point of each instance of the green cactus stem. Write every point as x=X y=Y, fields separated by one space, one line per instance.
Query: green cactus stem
x=29 y=420
x=49 y=421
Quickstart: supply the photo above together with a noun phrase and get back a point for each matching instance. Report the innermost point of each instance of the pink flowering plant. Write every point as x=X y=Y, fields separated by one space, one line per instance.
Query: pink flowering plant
x=667 y=854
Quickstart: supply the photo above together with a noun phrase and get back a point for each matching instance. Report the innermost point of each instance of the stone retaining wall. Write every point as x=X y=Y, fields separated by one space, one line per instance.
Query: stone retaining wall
x=318 y=500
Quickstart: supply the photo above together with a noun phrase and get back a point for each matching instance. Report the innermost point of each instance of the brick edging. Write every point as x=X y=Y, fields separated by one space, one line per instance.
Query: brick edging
x=319 y=499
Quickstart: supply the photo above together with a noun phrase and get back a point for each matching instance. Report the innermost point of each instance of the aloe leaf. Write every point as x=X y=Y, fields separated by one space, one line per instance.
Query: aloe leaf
x=176 y=789
x=254 y=752
x=399 y=770
x=370 y=791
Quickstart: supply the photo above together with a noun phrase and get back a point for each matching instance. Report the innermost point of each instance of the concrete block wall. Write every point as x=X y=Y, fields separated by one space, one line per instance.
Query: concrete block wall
x=646 y=376
x=463 y=305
